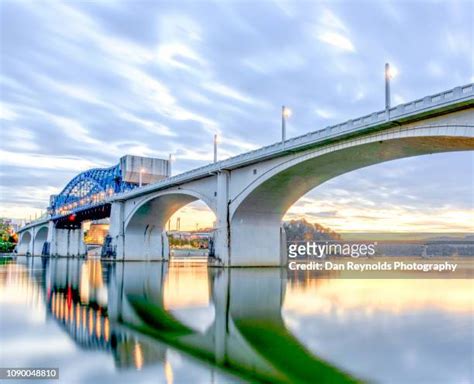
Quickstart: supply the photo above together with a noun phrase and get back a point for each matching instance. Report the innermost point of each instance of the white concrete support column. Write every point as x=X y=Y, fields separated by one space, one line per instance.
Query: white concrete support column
x=69 y=242
x=32 y=242
x=116 y=229
x=222 y=234
x=82 y=245
x=73 y=239
x=52 y=238
x=256 y=239
x=165 y=246
x=78 y=247
x=62 y=242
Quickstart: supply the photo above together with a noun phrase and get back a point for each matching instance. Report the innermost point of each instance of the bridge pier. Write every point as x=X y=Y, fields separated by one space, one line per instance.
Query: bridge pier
x=67 y=242
x=116 y=229
x=250 y=239
x=52 y=238
x=258 y=240
x=222 y=233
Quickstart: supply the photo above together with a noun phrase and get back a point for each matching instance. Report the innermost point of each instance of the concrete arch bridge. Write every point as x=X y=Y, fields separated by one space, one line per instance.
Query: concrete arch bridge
x=251 y=193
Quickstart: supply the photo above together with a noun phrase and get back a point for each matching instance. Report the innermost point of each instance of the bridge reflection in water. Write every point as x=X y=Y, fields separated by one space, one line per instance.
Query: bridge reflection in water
x=227 y=319
x=230 y=320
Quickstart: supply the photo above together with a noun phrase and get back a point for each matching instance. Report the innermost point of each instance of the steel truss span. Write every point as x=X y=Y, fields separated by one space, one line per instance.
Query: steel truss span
x=89 y=189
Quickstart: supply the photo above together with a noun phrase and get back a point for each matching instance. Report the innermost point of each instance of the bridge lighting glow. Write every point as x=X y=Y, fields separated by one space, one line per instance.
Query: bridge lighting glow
x=140 y=176
x=287 y=112
x=391 y=72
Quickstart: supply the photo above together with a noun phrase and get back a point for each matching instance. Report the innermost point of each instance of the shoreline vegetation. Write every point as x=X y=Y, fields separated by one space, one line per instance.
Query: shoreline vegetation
x=8 y=238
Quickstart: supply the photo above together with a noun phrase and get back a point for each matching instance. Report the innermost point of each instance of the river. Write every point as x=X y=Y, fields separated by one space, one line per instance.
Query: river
x=181 y=322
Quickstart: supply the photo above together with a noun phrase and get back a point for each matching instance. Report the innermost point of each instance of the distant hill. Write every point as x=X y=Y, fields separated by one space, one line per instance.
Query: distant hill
x=301 y=230
x=452 y=238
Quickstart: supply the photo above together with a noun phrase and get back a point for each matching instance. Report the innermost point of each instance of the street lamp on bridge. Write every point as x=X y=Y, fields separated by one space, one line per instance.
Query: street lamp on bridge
x=217 y=140
x=140 y=177
x=171 y=159
x=285 y=114
x=390 y=73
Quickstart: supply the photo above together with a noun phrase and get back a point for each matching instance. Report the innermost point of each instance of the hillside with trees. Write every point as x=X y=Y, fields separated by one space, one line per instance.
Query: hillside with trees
x=302 y=230
x=8 y=237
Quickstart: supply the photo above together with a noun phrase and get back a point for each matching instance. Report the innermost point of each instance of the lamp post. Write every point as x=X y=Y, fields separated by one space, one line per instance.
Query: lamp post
x=285 y=114
x=387 y=86
x=216 y=141
x=171 y=158
x=140 y=177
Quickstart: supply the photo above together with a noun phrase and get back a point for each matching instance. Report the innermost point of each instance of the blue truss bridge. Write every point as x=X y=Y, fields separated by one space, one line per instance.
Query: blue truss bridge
x=87 y=195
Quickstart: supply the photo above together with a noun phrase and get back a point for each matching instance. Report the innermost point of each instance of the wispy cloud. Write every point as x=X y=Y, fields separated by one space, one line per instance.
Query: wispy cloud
x=333 y=31
x=324 y=113
x=337 y=40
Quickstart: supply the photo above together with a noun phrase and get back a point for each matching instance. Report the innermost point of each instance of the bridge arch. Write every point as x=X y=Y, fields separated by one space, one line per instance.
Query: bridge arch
x=24 y=245
x=256 y=212
x=144 y=227
x=40 y=239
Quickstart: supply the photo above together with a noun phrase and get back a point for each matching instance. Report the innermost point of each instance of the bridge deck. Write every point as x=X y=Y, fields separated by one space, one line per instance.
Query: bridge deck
x=430 y=106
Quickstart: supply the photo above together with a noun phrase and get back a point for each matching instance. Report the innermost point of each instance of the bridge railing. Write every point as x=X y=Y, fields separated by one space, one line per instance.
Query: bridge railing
x=455 y=95
x=31 y=223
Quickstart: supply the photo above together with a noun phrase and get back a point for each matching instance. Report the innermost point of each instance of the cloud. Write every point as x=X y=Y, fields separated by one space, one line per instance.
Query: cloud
x=332 y=30
x=271 y=62
x=330 y=20
x=324 y=113
x=337 y=40
x=14 y=159
x=6 y=113
x=19 y=138
x=179 y=56
x=234 y=94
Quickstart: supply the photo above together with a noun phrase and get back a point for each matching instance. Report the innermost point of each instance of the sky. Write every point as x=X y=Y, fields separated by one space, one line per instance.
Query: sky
x=85 y=82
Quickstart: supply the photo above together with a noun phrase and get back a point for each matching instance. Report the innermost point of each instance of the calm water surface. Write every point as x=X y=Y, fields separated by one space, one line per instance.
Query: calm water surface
x=135 y=322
